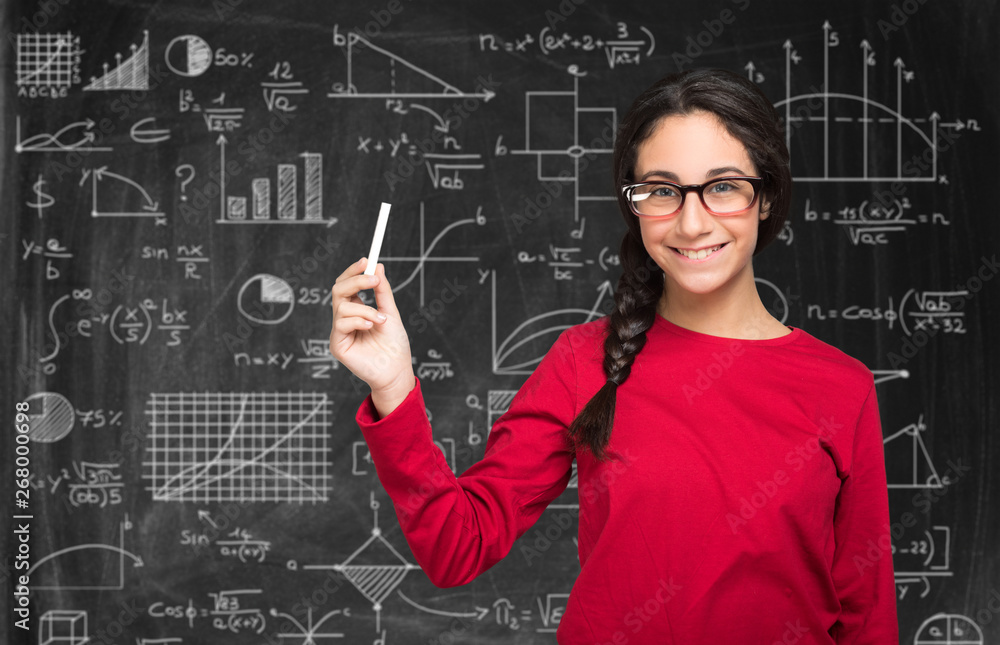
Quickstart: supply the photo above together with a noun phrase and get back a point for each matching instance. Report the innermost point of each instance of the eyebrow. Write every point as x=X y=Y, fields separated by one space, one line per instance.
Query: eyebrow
x=714 y=172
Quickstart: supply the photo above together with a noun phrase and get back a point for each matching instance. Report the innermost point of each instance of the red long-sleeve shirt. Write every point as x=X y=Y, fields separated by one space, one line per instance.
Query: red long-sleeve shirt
x=746 y=501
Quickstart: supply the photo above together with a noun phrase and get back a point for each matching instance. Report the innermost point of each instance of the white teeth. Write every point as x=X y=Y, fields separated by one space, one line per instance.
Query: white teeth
x=699 y=255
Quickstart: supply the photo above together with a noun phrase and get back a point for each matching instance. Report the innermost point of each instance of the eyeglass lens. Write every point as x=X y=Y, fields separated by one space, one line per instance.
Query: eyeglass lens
x=725 y=195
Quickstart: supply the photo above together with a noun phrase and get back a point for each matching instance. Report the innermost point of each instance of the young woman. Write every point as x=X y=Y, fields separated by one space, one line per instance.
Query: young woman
x=731 y=474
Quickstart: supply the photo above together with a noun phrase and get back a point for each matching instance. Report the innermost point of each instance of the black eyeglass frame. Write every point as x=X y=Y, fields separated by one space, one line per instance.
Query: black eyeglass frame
x=756 y=182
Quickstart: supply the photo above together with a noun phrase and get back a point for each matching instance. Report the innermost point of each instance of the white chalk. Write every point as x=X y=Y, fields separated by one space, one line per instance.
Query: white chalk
x=383 y=218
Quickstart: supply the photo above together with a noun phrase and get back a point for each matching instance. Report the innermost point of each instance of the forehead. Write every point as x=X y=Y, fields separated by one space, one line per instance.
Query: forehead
x=690 y=145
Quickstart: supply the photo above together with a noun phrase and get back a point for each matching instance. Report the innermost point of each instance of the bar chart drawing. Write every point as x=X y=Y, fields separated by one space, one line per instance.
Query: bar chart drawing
x=131 y=73
x=282 y=206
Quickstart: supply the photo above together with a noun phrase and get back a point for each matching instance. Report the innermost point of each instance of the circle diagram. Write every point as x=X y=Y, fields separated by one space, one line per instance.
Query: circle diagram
x=51 y=417
x=188 y=56
x=266 y=299
x=776 y=303
x=948 y=629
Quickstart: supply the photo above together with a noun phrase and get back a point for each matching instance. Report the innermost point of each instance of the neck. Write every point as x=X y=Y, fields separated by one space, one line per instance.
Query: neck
x=735 y=311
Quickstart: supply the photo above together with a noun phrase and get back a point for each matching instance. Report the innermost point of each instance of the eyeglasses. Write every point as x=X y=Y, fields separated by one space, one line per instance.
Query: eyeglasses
x=722 y=196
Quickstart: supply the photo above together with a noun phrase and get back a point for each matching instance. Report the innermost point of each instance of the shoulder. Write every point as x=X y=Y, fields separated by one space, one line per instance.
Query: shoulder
x=585 y=339
x=829 y=365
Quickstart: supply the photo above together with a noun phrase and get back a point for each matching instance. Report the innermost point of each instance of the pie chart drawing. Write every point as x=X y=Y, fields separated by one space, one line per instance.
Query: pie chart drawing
x=949 y=629
x=188 y=56
x=266 y=299
x=50 y=417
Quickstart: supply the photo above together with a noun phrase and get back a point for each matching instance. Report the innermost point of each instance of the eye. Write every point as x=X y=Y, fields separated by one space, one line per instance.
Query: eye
x=723 y=186
x=663 y=191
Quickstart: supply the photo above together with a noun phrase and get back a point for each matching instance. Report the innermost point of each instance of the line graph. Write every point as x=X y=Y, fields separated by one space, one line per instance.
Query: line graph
x=148 y=208
x=53 y=141
x=48 y=60
x=77 y=571
x=256 y=446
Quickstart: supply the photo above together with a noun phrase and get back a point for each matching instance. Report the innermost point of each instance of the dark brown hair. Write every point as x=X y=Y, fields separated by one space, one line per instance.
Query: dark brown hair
x=750 y=118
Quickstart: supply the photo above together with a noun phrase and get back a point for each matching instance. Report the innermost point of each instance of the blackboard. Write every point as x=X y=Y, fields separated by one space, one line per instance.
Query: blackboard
x=183 y=181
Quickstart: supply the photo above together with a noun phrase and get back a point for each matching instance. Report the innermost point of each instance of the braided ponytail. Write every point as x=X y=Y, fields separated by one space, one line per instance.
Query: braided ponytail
x=748 y=116
x=638 y=291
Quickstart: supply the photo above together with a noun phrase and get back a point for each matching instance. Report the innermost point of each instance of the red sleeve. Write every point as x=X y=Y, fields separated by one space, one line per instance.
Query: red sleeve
x=459 y=527
x=862 y=565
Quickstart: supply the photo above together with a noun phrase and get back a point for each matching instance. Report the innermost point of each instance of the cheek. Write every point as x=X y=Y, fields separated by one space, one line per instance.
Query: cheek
x=653 y=232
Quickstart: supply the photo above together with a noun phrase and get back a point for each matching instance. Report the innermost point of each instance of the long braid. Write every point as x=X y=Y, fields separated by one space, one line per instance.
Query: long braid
x=636 y=296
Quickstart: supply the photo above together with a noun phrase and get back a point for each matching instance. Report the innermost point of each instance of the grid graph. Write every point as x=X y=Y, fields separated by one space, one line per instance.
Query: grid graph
x=238 y=446
x=48 y=60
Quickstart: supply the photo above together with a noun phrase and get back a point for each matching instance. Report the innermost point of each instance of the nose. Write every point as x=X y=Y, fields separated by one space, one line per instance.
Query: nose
x=693 y=220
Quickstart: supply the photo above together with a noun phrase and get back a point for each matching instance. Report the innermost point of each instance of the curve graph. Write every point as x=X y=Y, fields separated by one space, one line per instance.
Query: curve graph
x=523 y=349
x=425 y=253
x=248 y=447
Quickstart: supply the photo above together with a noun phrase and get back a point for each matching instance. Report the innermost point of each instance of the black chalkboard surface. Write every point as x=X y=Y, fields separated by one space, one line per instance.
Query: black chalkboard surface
x=183 y=181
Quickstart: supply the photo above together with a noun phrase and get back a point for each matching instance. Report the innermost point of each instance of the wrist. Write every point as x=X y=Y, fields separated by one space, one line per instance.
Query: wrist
x=389 y=398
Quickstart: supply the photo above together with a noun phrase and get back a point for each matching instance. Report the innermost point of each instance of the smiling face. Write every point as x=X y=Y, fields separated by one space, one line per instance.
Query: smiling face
x=701 y=254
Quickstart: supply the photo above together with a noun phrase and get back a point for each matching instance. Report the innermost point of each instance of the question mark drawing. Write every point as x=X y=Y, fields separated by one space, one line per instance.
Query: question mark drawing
x=184 y=182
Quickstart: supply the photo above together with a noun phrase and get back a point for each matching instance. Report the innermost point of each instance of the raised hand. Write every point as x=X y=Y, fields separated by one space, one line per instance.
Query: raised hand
x=371 y=342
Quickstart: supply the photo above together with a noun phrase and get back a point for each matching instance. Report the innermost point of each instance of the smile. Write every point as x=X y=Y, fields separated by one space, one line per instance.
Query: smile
x=698 y=255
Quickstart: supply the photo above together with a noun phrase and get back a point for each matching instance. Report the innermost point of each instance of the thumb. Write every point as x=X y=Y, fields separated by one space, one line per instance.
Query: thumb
x=384 y=299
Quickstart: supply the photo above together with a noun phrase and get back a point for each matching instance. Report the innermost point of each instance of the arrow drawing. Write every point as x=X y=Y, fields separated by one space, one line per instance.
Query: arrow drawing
x=149 y=208
x=50 y=142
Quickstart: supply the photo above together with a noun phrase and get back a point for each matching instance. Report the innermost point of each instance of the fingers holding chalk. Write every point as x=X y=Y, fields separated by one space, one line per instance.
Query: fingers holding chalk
x=383 y=219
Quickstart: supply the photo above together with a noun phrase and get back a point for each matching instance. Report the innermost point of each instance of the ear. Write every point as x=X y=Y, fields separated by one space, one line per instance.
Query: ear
x=765 y=210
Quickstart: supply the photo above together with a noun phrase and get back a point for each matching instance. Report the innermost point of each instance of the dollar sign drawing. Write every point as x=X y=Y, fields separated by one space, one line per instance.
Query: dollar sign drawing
x=42 y=199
